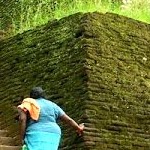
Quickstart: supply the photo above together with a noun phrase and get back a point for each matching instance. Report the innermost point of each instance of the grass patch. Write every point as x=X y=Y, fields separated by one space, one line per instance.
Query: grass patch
x=34 y=14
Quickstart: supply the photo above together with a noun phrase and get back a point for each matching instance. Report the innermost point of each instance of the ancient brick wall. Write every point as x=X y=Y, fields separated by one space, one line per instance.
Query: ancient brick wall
x=95 y=66
x=118 y=69
x=51 y=57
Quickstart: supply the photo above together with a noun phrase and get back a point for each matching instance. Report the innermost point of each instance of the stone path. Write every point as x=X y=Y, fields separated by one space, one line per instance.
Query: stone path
x=7 y=142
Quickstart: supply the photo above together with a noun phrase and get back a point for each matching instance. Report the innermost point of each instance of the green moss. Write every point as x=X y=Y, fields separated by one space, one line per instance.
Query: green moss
x=95 y=66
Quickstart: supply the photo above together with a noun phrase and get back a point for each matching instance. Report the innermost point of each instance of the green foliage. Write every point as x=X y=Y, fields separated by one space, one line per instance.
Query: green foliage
x=35 y=13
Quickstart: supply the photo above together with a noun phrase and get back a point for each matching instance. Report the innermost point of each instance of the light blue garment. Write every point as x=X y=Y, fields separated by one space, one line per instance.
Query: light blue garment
x=45 y=133
x=42 y=141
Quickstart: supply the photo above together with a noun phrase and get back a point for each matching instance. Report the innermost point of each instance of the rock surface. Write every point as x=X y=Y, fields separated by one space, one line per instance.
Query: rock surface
x=95 y=66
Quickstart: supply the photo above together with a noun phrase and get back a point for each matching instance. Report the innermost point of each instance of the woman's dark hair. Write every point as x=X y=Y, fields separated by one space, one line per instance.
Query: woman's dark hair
x=37 y=92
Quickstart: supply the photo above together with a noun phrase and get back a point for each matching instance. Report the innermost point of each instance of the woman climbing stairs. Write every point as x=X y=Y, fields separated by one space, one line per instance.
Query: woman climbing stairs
x=6 y=142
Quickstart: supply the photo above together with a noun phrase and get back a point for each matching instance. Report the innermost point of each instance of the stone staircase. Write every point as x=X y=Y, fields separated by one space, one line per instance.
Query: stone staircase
x=7 y=142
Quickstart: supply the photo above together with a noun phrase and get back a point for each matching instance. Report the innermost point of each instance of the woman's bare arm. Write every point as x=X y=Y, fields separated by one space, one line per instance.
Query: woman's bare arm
x=23 y=120
x=79 y=128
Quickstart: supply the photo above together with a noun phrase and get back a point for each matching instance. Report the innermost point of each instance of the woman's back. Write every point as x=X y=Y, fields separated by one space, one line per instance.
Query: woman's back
x=49 y=113
x=43 y=134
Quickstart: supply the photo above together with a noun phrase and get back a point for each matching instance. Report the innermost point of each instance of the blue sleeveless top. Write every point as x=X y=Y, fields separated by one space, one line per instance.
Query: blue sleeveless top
x=49 y=113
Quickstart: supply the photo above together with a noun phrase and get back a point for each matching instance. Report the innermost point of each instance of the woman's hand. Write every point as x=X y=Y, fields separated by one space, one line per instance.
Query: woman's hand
x=22 y=142
x=80 y=130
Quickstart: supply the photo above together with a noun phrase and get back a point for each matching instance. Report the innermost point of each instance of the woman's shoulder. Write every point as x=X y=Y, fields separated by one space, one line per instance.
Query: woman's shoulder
x=47 y=101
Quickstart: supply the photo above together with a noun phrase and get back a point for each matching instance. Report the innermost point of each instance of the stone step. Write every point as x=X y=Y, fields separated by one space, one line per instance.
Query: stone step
x=6 y=141
x=3 y=133
x=4 y=147
x=2 y=126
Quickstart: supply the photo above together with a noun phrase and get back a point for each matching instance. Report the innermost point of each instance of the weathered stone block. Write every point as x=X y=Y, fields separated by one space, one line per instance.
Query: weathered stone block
x=95 y=66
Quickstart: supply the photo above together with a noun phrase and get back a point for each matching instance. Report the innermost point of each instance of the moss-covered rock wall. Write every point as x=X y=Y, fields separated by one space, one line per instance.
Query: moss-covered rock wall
x=118 y=69
x=95 y=66
x=49 y=56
